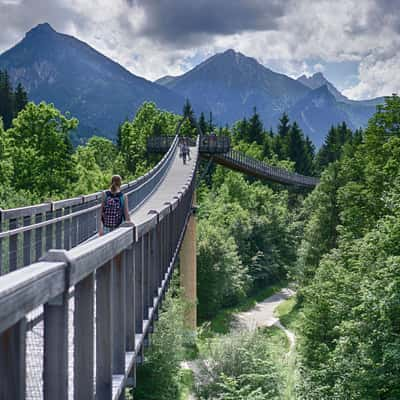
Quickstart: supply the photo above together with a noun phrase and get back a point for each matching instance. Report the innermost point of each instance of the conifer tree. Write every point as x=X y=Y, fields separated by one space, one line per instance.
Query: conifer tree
x=211 y=125
x=256 y=128
x=6 y=99
x=280 y=145
x=20 y=99
x=203 y=123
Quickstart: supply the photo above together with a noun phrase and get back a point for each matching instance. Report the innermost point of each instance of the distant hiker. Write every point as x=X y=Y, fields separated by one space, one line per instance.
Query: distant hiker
x=183 y=150
x=187 y=148
x=114 y=207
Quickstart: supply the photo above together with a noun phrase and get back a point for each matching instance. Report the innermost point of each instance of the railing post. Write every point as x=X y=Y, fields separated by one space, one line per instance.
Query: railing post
x=27 y=241
x=130 y=306
x=58 y=230
x=84 y=339
x=49 y=231
x=188 y=269
x=104 y=338
x=55 y=364
x=13 y=244
x=119 y=315
x=146 y=275
x=67 y=229
x=12 y=362
x=139 y=267
x=38 y=238
x=130 y=296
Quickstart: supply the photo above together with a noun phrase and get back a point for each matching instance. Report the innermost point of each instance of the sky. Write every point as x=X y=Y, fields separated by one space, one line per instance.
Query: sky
x=354 y=43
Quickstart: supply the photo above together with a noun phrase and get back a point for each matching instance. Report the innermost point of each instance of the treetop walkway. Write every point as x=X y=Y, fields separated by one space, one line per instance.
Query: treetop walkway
x=219 y=150
x=77 y=310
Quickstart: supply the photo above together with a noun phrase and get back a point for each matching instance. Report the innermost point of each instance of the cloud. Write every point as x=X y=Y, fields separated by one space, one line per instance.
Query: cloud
x=181 y=23
x=153 y=38
x=378 y=73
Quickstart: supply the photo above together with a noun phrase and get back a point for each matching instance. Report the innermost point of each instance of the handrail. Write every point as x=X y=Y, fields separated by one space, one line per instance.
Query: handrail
x=218 y=148
x=126 y=272
x=272 y=172
x=81 y=228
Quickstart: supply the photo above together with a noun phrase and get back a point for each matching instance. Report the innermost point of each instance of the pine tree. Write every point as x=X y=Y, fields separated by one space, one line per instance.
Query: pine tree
x=188 y=110
x=280 y=142
x=211 y=125
x=203 y=123
x=309 y=157
x=119 y=137
x=256 y=128
x=296 y=148
x=241 y=131
x=6 y=100
x=20 y=99
x=332 y=149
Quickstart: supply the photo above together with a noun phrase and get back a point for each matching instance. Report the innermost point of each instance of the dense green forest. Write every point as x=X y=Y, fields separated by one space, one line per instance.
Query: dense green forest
x=338 y=244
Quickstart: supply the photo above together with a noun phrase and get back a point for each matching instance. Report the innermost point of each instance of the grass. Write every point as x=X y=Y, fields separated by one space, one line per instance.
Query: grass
x=289 y=314
x=221 y=323
x=186 y=383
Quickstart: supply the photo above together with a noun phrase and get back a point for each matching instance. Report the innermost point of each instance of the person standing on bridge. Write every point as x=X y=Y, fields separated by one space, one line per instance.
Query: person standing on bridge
x=183 y=150
x=114 y=207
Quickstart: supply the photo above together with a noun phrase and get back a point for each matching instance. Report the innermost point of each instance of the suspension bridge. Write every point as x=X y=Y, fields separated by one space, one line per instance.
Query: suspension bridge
x=77 y=310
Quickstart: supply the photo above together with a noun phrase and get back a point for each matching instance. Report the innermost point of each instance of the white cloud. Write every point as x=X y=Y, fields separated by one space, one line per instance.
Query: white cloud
x=379 y=75
x=294 y=35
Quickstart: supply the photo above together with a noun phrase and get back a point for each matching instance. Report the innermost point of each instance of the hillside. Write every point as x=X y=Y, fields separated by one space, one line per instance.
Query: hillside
x=60 y=69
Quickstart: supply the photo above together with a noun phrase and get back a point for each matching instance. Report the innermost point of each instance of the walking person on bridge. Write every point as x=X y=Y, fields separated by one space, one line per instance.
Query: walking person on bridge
x=114 y=207
x=183 y=150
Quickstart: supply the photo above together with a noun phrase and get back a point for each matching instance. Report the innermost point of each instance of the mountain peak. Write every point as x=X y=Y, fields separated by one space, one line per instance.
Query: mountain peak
x=44 y=28
x=318 y=80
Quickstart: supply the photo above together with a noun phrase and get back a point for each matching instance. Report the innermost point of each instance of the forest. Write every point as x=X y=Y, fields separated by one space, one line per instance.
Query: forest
x=337 y=246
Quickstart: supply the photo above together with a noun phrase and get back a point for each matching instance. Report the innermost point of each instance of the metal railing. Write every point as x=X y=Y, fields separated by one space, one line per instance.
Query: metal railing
x=118 y=282
x=208 y=143
x=237 y=160
x=26 y=233
x=219 y=149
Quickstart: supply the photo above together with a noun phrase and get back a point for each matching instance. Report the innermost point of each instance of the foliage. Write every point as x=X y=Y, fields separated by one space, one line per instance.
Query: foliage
x=338 y=140
x=11 y=102
x=42 y=151
x=350 y=293
x=158 y=378
x=133 y=136
x=239 y=366
x=245 y=241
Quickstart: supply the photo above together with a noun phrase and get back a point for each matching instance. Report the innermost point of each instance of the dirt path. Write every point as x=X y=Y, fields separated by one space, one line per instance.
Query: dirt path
x=262 y=314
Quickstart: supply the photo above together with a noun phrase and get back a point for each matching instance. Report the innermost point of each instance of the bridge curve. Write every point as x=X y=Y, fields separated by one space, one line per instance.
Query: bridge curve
x=93 y=302
x=219 y=150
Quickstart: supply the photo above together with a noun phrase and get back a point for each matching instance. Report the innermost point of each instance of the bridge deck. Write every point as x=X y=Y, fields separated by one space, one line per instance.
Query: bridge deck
x=177 y=176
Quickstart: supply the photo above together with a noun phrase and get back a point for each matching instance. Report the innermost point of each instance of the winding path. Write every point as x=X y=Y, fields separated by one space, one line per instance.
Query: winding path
x=262 y=314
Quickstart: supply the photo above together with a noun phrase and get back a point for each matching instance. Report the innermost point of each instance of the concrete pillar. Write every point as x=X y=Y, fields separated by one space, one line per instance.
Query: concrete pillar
x=188 y=271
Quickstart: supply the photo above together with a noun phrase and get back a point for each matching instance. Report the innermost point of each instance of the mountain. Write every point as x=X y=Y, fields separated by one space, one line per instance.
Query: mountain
x=317 y=112
x=317 y=80
x=63 y=70
x=230 y=85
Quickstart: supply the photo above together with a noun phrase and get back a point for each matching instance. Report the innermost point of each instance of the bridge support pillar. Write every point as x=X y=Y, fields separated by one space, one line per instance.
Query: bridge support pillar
x=188 y=271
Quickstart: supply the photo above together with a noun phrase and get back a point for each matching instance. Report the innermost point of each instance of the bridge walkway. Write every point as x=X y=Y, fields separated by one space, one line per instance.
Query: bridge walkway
x=176 y=177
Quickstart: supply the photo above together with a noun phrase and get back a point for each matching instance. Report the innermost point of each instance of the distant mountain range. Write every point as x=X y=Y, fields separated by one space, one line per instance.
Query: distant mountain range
x=61 y=69
x=230 y=85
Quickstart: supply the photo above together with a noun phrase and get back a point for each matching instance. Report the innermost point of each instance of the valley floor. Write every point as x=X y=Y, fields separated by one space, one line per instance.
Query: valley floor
x=264 y=314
